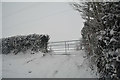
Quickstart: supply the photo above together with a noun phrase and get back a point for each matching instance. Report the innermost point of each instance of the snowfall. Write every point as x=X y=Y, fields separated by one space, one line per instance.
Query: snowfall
x=36 y=65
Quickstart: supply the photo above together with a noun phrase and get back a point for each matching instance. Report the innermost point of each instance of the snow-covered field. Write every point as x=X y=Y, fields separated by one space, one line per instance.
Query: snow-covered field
x=49 y=66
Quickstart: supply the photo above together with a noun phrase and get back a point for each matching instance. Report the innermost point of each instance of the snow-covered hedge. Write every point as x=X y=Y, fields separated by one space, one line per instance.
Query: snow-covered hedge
x=17 y=44
x=102 y=33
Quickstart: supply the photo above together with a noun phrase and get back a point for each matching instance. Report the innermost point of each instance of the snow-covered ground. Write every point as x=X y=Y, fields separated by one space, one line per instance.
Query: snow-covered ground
x=0 y=66
x=49 y=66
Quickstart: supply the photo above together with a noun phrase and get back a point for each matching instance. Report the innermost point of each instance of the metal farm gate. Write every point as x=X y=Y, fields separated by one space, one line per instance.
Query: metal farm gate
x=65 y=46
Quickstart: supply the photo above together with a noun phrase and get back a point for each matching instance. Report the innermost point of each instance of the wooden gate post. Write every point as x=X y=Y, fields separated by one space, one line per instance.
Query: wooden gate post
x=68 y=46
x=65 y=47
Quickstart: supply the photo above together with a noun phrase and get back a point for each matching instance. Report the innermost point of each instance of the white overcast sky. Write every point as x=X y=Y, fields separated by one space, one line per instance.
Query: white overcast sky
x=0 y=19
x=57 y=19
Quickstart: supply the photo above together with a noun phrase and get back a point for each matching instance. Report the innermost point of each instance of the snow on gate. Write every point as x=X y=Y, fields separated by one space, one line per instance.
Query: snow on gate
x=65 y=46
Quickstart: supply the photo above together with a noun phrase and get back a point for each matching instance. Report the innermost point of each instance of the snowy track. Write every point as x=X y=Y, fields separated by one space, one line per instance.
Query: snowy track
x=49 y=66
